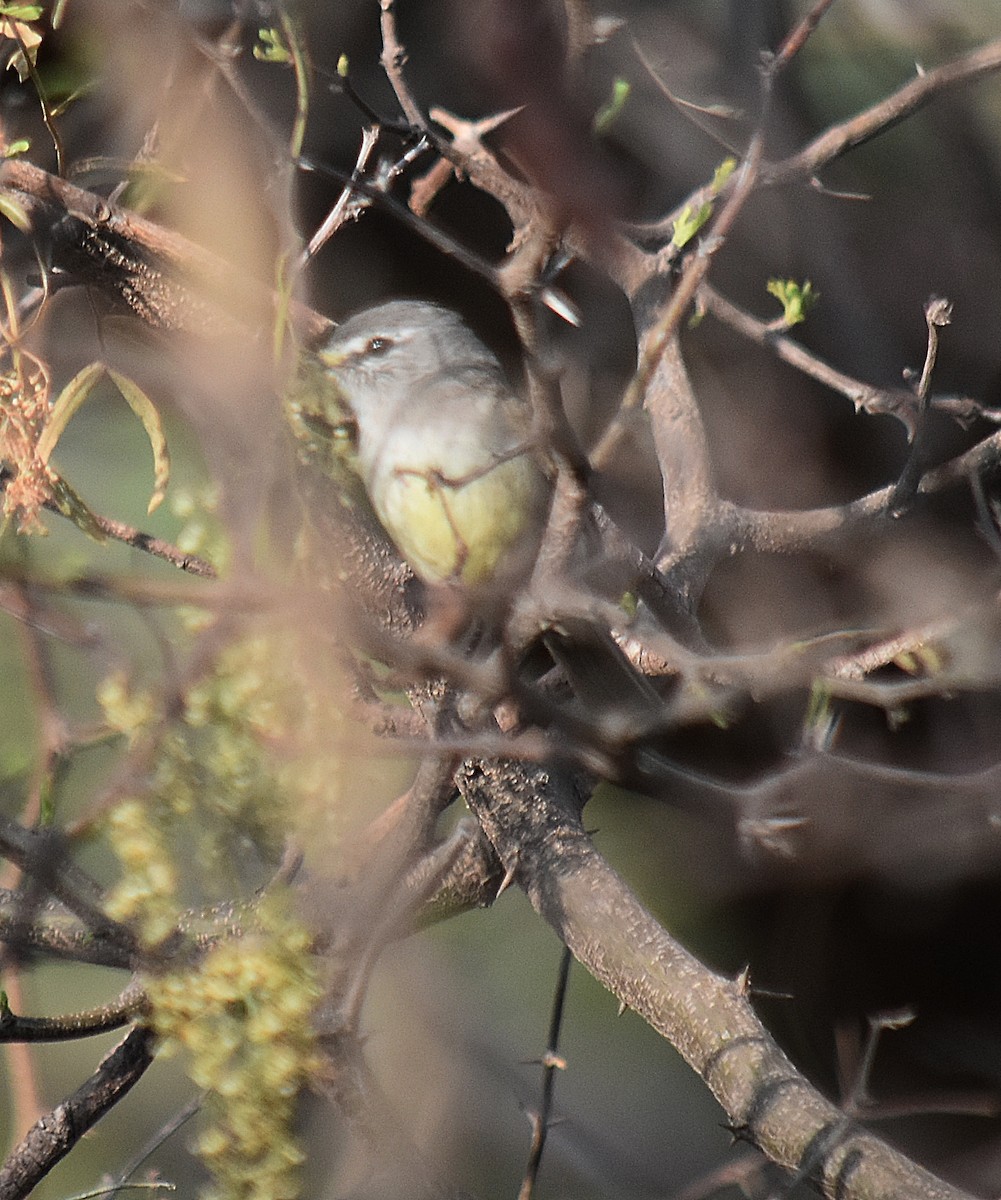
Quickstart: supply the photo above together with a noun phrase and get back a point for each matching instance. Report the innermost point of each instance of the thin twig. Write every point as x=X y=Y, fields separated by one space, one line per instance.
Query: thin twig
x=71 y=1026
x=838 y=140
x=551 y=1063
x=858 y=130
x=987 y=515
x=393 y=59
x=696 y=114
x=938 y=312
x=797 y=37
x=192 y=564
x=430 y=233
x=900 y=403
x=48 y=118
x=167 y=1130
x=663 y=330
x=349 y=203
x=857 y=1101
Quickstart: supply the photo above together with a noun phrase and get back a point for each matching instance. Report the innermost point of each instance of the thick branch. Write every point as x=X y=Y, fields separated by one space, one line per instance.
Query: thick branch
x=44 y=857
x=53 y=930
x=531 y=816
x=164 y=278
x=682 y=448
x=55 y=1134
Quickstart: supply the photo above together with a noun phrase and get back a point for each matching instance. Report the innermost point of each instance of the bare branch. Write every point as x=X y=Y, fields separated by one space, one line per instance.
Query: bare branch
x=44 y=857
x=393 y=59
x=863 y=127
x=536 y=830
x=349 y=203
x=106 y=1017
x=899 y=403
x=938 y=312
x=551 y=1063
x=55 y=1135
x=168 y=281
x=54 y=931
x=797 y=37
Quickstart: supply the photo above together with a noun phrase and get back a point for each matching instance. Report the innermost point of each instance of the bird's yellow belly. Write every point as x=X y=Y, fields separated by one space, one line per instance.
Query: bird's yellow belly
x=462 y=530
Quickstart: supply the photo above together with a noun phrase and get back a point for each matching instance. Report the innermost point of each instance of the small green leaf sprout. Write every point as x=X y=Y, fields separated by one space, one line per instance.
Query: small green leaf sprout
x=271 y=46
x=691 y=219
x=611 y=110
x=796 y=300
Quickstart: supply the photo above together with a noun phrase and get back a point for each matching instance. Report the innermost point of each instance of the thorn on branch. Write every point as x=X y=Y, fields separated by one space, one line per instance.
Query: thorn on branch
x=740 y=1133
x=506 y=882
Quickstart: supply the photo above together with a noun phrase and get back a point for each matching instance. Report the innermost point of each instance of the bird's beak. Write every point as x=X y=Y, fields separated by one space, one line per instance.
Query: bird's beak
x=332 y=358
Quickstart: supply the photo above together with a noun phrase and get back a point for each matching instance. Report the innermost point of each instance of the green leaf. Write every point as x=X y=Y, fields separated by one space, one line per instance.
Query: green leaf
x=610 y=112
x=691 y=220
x=721 y=718
x=271 y=47
x=15 y=213
x=722 y=174
x=145 y=410
x=66 y=404
x=21 y=12
x=688 y=224
x=820 y=720
x=342 y=66
x=16 y=148
x=72 y=397
x=795 y=300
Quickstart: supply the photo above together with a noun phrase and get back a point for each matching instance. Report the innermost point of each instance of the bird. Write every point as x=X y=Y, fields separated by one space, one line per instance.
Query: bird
x=444 y=448
x=441 y=441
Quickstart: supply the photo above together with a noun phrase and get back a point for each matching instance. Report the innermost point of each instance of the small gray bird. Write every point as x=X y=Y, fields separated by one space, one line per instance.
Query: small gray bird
x=443 y=442
x=443 y=447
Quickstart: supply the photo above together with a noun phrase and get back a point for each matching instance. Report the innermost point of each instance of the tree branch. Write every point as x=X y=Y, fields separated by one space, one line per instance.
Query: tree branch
x=55 y=1134
x=839 y=139
x=165 y=279
x=532 y=817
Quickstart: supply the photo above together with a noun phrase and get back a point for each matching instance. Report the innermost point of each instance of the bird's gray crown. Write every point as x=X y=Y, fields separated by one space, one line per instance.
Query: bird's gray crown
x=402 y=339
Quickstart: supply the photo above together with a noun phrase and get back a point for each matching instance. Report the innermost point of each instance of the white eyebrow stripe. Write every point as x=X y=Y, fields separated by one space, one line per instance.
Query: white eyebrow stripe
x=357 y=345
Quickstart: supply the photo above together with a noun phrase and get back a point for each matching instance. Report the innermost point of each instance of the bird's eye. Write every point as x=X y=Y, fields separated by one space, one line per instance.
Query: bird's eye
x=379 y=345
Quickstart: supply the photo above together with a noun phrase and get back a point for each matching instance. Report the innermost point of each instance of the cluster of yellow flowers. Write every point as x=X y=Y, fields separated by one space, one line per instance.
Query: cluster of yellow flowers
x=228 y=775
x=243 y=1017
